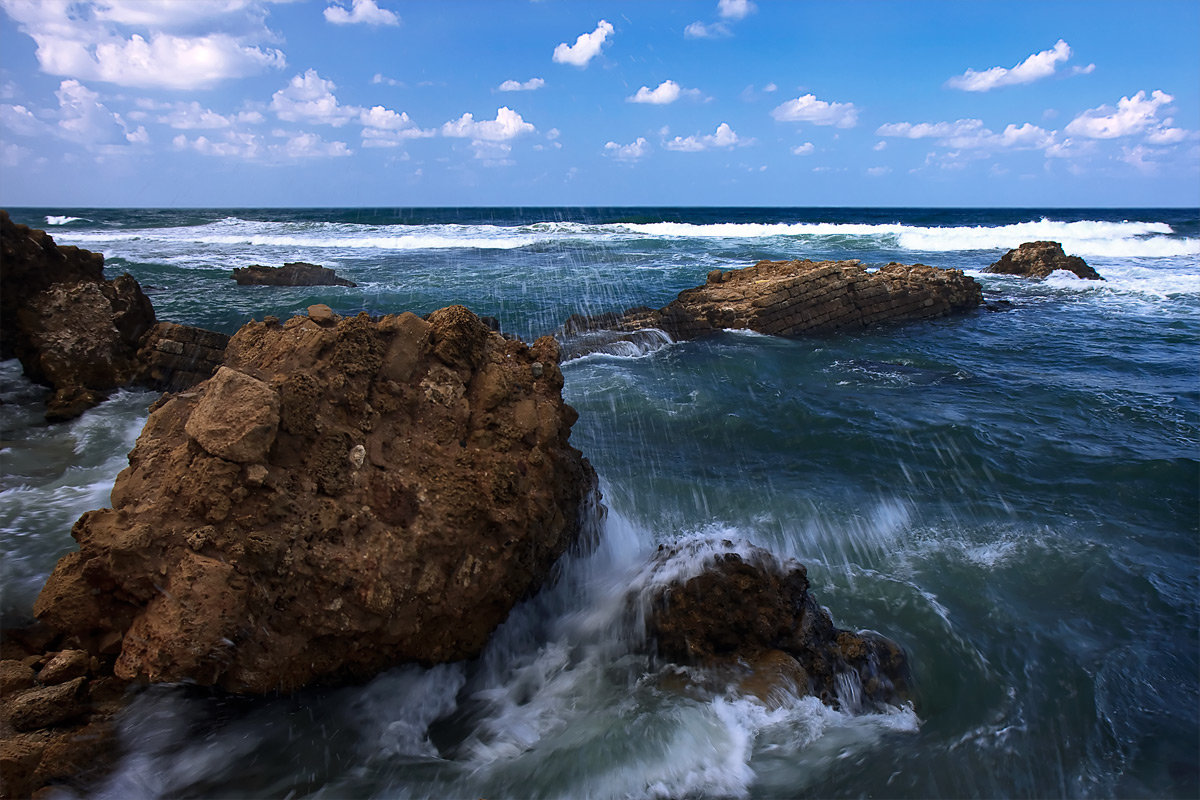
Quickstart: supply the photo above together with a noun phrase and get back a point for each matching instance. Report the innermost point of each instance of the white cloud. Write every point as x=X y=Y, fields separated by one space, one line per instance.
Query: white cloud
x=803 y=149
x=254 y=147
x=698 y=30
x=1037 y=66
x=1167 y=136
x=140 y=136
x=380 y=78
x=809 y=109
x=628 y=152
x=734 y=9
x=193 y=116
x=366 y=12
x=516 y=86
x=310 y=145
x=21 y=121
x=667 y=92
x=383 y=127
x=881 y=145
x=87 y=41
x=723 y=137
x=309 y=98
x=84 y=119
x=586 y=47
x=876 y=172
x=970 y=134
x=507 y=125
x=1131 y=116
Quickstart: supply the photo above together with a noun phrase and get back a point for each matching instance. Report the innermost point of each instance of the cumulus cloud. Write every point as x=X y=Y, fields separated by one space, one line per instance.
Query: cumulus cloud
x=516 y=86
x=1037 y=66
x=971 y=134
x=177 y=46
x=310 y=98
x=699 y=30
x=666 y=92
x=803 y=149
x=809 y=109
x=1132 y=115
x=586 y=47
x=723 y=137
x=255 y=147
x=193 y=116
x=628 y=152
x=507 y=125
x=84 y=119
x=727 y=10
x=365 y=12
x=383 y=127
x=734 y=9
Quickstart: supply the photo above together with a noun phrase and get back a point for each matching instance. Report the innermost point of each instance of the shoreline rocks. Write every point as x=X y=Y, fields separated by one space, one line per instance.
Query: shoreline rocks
x=294 y=273
x=343 y=495
x=749 y=617
x=790 y=298
x=1039 y=259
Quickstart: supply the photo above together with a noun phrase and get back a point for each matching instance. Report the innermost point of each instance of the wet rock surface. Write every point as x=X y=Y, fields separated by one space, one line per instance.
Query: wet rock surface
x=750 y=616
x=345 y=494
x=1039 y=259
x=790 y=298
x=295 y=273
x=72 y=329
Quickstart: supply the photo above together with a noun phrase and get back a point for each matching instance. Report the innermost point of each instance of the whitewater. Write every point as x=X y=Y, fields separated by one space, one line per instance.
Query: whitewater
x=1013 y=495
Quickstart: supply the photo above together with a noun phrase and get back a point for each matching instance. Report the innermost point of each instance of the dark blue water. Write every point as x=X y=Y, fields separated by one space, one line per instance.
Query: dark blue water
x=1012 y=495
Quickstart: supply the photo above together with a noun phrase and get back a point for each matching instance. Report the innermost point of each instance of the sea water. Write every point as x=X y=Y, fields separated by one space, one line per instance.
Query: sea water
x=1012 y=494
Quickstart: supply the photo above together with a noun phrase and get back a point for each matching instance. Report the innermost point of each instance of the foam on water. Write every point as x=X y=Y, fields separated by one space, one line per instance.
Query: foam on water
x=54 y=219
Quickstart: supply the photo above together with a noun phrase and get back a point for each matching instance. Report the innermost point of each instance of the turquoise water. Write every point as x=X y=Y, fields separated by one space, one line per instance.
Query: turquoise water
x=1013 y=495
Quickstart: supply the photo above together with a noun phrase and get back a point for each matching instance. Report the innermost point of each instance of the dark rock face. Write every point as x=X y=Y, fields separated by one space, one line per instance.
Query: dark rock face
x=177 y=357
x=789 y=298
x=72 y=329
x=343 y=495
x=295 y=273
x=754 y=615
x=1039 y=259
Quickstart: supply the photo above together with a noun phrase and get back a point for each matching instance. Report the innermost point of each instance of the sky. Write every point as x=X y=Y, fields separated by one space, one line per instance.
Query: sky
x=409 y=103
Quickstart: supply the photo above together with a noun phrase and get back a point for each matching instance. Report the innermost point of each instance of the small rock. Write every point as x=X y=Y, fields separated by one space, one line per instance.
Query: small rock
x=321 y=314
x=50 y=705
x=67 y=665
x=14 y=676
x=358 y=455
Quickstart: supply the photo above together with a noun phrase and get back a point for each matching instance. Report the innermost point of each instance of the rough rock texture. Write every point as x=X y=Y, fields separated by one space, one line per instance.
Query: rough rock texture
x=1039 y=259
x=176 y=357
x=343 y=495
x=72 y=329
x=56 y=716
x=753 y=614
x=295 y=273
x=787 y=298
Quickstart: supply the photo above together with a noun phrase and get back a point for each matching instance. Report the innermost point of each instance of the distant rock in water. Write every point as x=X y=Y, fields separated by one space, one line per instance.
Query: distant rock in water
x=72 y=329
x=750 y=617
x=295 y=273
x=343 y=495
x=789 y=298
x=1039 y=259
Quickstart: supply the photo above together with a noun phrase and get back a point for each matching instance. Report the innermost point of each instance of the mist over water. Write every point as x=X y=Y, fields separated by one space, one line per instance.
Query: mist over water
x=1012 y=495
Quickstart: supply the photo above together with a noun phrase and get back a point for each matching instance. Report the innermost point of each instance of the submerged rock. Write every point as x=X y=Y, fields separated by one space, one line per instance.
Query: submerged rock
x=294 y=273
x=1039 y=259
x=343 y=495
x=751 y=616
x=72 y=329
x=788 y=298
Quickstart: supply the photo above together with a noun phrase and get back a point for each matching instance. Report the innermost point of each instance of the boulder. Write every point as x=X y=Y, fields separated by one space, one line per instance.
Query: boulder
x=1039 y=259
x=72 y=329
x=751 y=615
x=294 y=273
x=789 y=298
x=343 y=495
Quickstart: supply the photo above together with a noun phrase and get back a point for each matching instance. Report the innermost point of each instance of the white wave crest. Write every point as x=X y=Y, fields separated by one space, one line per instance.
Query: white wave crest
x=52 y=219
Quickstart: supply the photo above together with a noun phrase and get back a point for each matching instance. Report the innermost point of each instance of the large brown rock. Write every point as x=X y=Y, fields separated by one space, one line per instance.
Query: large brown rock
x=343 y=495
x=1039 y=259
x=751 y=614
x=72 y=329
x=789 y=298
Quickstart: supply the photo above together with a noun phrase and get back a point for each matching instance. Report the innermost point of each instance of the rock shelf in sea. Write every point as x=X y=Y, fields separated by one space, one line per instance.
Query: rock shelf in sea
x=1039 y=259
x=294 y=273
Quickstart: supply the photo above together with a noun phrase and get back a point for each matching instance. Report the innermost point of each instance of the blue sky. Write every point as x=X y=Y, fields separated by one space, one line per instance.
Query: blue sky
x=564 y=102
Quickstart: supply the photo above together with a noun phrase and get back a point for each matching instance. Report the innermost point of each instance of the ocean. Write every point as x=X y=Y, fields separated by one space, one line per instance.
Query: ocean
x=1013 y=495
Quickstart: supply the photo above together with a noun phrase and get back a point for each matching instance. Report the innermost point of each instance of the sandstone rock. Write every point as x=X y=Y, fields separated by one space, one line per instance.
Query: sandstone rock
x=72 y=329
x=418 y=484
x=789 y=298
x=14 y=676
x=295 y=273
x=1039 y=259
x=177 y=357
x=48 y=705
x=751 y=610
x=65 y=666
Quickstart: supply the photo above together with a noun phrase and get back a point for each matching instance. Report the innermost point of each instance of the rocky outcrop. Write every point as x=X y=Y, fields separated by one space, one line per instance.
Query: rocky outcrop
x=1039 y=259
x=343 y=495
x=72 y=329
x=177 y=357
x=295 y=273
x=750 y=615
x=57 y=710
x=789 y=298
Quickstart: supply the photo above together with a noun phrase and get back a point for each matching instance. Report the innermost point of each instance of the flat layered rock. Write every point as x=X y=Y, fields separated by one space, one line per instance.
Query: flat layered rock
x=791 y=298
